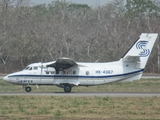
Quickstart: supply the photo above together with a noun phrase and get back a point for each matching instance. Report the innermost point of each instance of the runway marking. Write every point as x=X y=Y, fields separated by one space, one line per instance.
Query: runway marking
x=81 y=94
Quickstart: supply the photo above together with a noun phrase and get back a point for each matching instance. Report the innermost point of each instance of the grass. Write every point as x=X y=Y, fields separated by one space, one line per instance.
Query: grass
x=49 y=107
x=77 y=108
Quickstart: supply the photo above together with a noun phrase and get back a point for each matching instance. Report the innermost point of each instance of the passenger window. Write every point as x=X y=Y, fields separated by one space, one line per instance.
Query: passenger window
x=52 y=72
x=87 y=72
x=57 y=72
x=47 y=72
x=68 y=72
x=74 y=72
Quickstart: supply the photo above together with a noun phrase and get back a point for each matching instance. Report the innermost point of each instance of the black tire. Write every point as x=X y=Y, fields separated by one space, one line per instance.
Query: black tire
x=67 y=88
x=28 y=89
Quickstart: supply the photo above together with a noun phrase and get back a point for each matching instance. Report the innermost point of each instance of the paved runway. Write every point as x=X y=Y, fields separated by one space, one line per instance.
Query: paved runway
x=81 y=94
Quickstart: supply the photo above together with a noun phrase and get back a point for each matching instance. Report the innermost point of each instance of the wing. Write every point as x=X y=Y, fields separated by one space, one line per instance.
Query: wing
x=63 y=63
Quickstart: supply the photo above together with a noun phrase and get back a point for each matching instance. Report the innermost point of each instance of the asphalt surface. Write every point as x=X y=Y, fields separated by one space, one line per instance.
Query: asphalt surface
x=120 y=94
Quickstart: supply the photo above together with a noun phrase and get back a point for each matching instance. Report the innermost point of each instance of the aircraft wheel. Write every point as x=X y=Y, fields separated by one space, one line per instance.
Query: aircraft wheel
x=67 y=88
x=28 y=89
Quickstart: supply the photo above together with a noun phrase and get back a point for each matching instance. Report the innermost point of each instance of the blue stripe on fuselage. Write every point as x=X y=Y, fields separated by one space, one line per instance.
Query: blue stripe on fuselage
x=76 y=76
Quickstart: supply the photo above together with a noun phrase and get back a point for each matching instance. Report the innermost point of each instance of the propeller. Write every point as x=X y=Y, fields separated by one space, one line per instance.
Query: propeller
x=41 y=68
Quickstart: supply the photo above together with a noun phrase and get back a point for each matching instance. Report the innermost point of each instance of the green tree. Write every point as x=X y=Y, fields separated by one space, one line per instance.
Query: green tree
x=141 y=8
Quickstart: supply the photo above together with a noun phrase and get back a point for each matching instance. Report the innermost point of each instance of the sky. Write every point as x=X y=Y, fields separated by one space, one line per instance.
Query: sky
x=89 y=2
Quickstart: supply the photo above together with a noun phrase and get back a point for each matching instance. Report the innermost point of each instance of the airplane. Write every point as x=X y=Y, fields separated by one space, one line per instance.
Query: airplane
x=66 y=73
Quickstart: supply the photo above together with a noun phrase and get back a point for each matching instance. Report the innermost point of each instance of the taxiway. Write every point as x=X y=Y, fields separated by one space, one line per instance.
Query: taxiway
x=72 y=94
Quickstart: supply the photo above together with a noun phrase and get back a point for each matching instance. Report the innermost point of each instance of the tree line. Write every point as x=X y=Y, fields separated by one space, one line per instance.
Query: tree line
x=40 y=33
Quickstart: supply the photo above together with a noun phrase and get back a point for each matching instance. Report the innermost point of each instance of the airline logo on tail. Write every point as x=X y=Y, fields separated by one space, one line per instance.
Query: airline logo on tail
x=142 y=45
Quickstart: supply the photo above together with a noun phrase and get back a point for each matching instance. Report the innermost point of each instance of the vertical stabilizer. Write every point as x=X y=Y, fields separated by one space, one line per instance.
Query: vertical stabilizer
x=141 y=49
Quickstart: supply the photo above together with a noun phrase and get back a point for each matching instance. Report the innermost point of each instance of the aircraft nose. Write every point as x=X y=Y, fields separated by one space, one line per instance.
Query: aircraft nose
x=5 y=78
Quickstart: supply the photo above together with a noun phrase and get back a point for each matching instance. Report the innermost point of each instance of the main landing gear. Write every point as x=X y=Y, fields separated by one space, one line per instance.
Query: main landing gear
x=67 y=87
x=27 y=88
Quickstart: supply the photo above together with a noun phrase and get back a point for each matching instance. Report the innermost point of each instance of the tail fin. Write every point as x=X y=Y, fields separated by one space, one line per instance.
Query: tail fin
x=141 y=49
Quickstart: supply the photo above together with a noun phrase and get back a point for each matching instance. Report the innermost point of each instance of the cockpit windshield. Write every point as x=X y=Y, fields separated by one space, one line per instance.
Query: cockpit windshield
x=31 y=68
x=27 y=68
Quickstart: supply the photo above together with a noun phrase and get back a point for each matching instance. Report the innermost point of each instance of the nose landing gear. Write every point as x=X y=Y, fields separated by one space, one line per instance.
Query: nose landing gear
x=27 y=88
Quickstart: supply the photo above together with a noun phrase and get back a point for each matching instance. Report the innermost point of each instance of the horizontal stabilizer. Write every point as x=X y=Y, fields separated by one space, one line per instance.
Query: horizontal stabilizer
x=131 y=59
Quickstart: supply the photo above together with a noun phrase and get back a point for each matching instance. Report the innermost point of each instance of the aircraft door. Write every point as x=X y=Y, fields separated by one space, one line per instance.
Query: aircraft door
x=34 y=72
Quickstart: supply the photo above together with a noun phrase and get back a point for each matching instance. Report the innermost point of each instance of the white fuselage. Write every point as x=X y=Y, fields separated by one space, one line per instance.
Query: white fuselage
x=85 y=74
